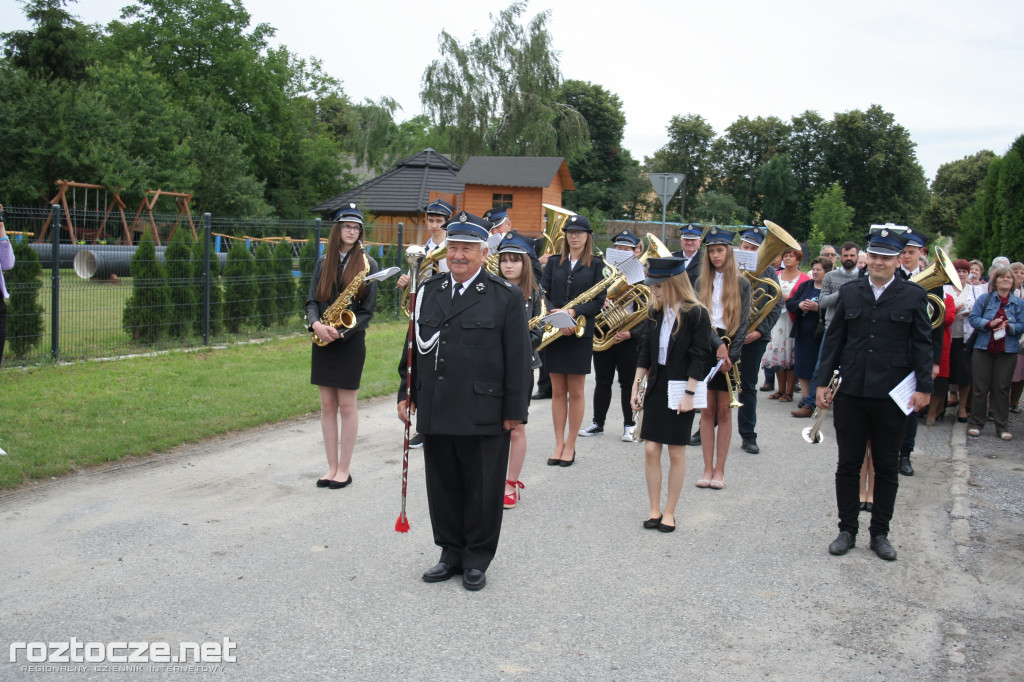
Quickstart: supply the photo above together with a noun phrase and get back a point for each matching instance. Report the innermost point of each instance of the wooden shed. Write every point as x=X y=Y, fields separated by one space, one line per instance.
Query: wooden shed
x=518 y=183
x=400 y=195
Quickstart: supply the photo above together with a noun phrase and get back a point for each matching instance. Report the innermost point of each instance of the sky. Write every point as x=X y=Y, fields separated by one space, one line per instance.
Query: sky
x=950 y=72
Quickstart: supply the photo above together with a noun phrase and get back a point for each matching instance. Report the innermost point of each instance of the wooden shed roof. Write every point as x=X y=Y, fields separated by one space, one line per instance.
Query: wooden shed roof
x=404 y=189
x=515 y=171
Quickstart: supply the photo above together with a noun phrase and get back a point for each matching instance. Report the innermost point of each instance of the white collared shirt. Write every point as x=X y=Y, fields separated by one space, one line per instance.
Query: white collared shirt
x=717 y=311
x=878 y=291
x=465 y=284
x=668 y=323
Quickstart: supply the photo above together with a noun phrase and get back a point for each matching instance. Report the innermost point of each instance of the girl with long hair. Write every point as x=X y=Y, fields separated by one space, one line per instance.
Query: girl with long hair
x=514 y=265
x=676 y=347
x=726 y=296
x=568 y=358
x=338 y=366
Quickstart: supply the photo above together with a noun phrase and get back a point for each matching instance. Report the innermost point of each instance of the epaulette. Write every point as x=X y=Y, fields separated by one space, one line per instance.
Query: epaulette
x=499 y=280
x=437 y=275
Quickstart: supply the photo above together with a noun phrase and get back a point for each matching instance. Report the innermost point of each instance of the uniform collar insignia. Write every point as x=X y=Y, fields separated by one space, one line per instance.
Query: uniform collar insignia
x=480 y=287
x=444 y=284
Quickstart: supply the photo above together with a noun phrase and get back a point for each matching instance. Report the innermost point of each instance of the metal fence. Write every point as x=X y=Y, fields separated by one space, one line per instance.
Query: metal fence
x=230 y=279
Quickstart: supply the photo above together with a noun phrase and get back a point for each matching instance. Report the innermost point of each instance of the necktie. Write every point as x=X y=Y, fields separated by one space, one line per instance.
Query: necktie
x=458 y=291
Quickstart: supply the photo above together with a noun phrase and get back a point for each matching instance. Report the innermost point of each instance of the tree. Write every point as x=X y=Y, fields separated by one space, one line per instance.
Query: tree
x=1010 y=196
x=25 y=313
x=284 y=282
x=240 y=291
x=809 y=136
x=873 y=158
x=307 y=263
x=776 y=187
x=831 y=217
x=689 y=150
x=146 y=309
x=265 y=308
x=746 y=146
x=180 y=292
x=58 y=48
x=718 y=208
x=499 y=95
x=954 y=189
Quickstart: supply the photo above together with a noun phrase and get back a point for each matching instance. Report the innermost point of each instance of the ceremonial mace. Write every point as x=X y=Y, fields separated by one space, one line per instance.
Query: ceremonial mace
x=414 y=255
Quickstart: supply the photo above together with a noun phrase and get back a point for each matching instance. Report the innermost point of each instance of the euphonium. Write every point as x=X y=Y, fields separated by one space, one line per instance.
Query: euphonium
x=812 y=434
x=426 y=265
x=616 y=317
x=765 y=294
x=554 y=234
x=339 y=314
x=551 y=334
x=935 y=275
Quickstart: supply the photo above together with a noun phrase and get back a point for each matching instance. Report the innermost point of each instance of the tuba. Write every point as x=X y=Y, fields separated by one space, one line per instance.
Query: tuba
x=554 y=234
x=616 y=316
x=765 y=294
x=427 y=265
x=935 y=275
x=339 y=314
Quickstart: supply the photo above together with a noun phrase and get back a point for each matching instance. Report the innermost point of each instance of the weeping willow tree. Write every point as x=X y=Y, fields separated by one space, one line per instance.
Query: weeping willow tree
x=499 y=94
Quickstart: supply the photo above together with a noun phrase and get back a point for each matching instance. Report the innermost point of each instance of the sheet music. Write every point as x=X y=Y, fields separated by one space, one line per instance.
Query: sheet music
x=493 y=241
x=677 y=389
x=745 y=260
x=632 y=269
x=383 y=274
x=903 y=394
x=616 y=256
x=711 y=374
x=558 y=320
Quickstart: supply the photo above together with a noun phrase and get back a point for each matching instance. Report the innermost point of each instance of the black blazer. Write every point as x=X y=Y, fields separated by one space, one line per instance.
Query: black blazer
x=558 y=290
x=363 y=309
x=736 y=342
x=689 y=351
x=693 y=269
x=875 y=344
x=477 y=374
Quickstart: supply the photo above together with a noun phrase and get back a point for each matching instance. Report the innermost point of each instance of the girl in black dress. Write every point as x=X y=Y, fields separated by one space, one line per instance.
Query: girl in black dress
x=338 y=366
x=726 y=296
x=514 y=265
x=677 y=347
x=568 y=358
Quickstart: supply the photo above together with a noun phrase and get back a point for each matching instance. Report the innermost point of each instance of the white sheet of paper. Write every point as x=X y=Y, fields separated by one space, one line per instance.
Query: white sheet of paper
x=999 y=334
x=711 y=374
x=616 y=256
x=559 y=320
x=700 y=398
x=745 y=260
x=903 y=394
x=676 y=390
x=632 y=269
x=493 y=241
x=383 y=274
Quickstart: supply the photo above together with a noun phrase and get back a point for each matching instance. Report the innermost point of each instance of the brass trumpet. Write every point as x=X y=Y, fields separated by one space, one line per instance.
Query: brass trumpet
x=935 y=275
x=812 y=434
x=732 y=379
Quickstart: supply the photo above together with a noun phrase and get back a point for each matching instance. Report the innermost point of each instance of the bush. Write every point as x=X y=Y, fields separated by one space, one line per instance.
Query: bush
x=181 y=293
x=239 y=287
x=307 y=261
x=146 y=309
x=25 y=313
x=216 y=295
x=264 y=305
x=284 y=282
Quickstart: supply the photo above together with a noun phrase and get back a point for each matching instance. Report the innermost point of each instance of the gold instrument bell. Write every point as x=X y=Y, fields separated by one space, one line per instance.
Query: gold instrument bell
x=935 y=275
x=765 y=294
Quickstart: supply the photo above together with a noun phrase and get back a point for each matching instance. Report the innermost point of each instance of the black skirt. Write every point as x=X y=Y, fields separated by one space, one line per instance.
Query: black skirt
x=717 y=382
x=339 y=364
x=959 y=362
x=661 y=424
x=568 y=355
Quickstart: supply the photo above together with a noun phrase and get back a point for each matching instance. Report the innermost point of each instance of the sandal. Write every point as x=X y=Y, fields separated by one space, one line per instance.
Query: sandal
x=786 y=398
x=973 y=433
x=1006 y=435
x=775 y=396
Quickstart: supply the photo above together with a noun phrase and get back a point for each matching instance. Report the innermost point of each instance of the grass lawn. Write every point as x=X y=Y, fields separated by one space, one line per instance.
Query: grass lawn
x=58 y=419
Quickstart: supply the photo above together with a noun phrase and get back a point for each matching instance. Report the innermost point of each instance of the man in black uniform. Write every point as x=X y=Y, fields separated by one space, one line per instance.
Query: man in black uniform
x=879 y=334
x=689 y=240
x=754 y=346
x=470 y=388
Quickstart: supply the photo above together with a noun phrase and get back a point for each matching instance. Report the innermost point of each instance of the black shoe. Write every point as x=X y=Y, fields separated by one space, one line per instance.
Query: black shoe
x=440 y=572
x=473 y=579
x=552 y=462
x=335 y=485
x=416 y=441
x=883 y=549
x=665 y=528
x=767 y=388
x=652 y=523
x=868 y=506
x=905 y=467
x=750 y=445
x=323 y=482
x=843 y=543
x=863 y=506
x=695 y=438
x=568 y=462
x=541 y=395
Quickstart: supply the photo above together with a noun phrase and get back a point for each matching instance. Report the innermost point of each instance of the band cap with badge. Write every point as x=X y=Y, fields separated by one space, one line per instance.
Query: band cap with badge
x=690 y=231
x=626 y=238
x=886 y=240
x=496 y=216
x=513 y=244
x=753 y=235
x=466 y=227
x=719 y=235
x=577 y=222
x=439 y=207
x=660 y=269
x=348 y=214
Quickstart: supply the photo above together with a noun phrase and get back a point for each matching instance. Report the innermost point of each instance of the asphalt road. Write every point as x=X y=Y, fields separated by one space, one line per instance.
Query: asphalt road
x=231 y=539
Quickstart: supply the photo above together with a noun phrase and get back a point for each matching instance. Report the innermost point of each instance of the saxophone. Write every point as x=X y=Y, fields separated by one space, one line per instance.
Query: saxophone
x=339 y=314
x=551 y=334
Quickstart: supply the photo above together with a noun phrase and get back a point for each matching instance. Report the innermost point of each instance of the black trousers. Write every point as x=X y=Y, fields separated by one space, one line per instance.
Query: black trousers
x=750 y=367
x=858 y=421
x=465 y=491
x=622 y=358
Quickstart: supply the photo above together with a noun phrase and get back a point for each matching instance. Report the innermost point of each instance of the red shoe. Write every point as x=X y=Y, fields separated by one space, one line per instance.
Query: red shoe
x=513 y=499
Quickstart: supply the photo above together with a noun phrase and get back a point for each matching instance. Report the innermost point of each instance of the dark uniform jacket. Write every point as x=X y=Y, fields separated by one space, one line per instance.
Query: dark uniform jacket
x=693 y=269
x=559 y=291
x=689 y=350
x=478 y=374
x=363 y=309
x=875 y=344
x=736 y=341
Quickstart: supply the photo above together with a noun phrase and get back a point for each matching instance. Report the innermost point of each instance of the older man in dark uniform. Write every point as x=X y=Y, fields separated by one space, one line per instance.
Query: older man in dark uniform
x=689 y=240
x=880 y=333
x=470 y=388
